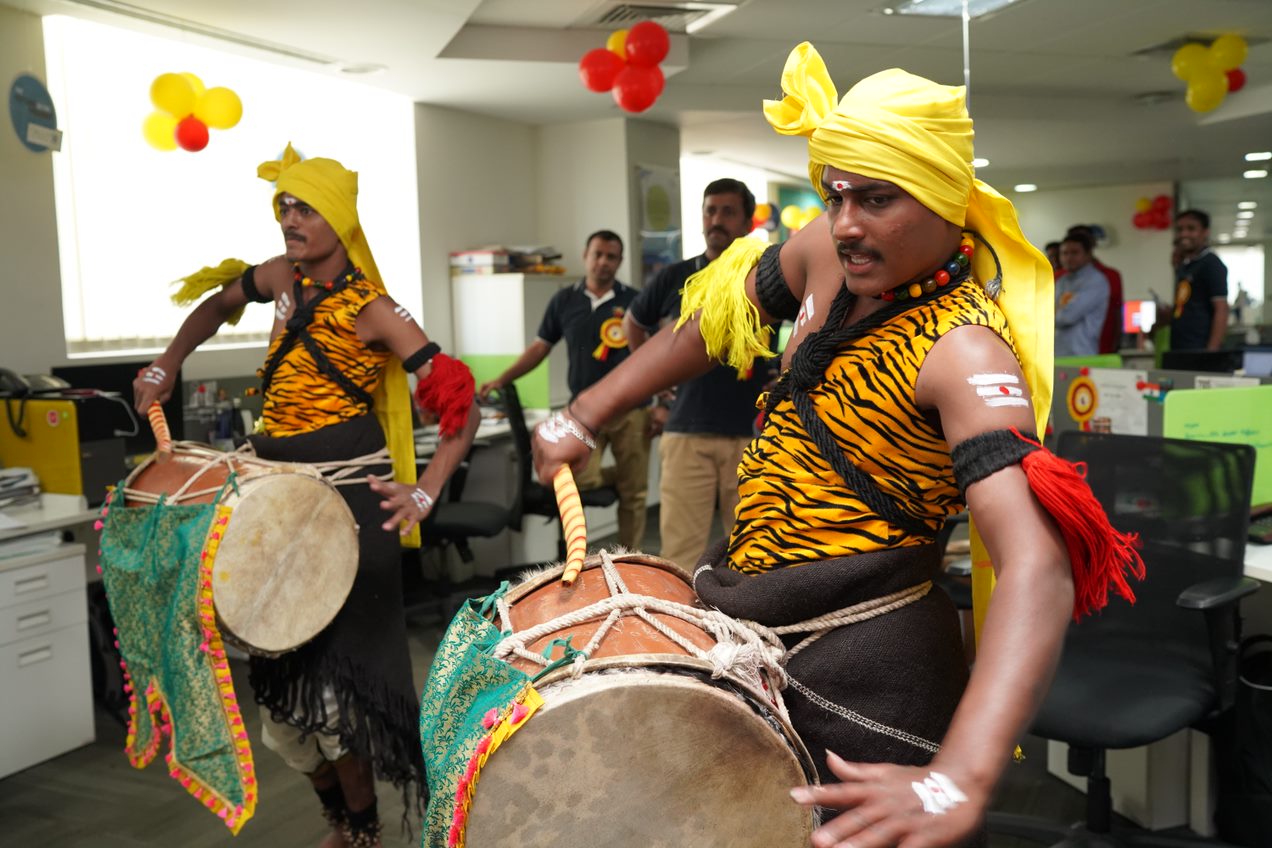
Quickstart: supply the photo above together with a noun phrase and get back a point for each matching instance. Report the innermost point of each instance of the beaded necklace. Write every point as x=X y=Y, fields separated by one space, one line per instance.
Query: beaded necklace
x=346 y=277
x=954 y=271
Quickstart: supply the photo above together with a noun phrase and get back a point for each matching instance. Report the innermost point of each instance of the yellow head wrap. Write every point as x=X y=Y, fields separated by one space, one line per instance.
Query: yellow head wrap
x=910 y=131
x=332 y=191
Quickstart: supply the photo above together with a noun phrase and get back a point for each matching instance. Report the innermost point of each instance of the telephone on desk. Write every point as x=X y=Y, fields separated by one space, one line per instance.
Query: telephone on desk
x=1261 y=524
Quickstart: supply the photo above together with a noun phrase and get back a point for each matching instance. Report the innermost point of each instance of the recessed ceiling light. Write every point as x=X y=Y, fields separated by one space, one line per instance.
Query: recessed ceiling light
x=1224 y=238
x=362 y=68
x=980 y=163
x=1260 y=156
x=1026 y=187
x=1245 y=215
x=1255 y=175
x=1247 y=204
x=946 y=8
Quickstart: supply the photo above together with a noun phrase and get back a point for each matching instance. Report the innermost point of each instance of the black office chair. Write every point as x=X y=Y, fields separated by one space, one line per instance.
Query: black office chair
x=1135 y=674
x=536 y=498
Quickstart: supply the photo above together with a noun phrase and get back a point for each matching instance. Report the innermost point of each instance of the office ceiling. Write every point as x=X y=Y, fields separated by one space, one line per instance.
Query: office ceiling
x=1065 y=93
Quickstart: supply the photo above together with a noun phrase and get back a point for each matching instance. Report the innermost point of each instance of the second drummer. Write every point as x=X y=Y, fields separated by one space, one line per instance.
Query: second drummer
x=342 y=709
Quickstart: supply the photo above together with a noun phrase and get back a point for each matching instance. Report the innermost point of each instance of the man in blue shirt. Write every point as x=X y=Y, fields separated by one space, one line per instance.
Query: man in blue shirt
x=1201 y=287
x=1082 y=299
x=711 y=418
x=589 y=316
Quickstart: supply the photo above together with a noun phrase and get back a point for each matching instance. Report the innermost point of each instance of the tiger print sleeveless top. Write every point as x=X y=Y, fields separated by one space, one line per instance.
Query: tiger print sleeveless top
x=793 y=506
x=300 y=397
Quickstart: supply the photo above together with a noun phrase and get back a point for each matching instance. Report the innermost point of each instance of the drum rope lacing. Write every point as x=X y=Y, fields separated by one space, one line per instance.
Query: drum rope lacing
x=336 y=472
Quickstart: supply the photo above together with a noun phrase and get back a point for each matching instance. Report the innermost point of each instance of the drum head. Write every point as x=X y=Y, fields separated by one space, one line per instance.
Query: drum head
x=286 y=562
x=642 y=759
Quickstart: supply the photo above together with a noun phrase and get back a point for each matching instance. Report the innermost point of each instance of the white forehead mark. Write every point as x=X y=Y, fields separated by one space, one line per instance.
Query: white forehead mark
x=841 y=185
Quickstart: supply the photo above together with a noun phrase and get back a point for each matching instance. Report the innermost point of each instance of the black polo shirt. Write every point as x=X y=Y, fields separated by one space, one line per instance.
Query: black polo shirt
x=592 y=328
x=1197 y=282
x=717 y=403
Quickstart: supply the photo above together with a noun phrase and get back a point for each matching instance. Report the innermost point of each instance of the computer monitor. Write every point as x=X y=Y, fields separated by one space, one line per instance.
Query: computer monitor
x=1257 y=362
x=1138 y=316
x=1210 y=361
x=118 y=377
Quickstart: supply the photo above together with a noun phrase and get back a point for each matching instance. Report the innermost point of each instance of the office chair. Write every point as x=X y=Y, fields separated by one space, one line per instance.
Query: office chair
x=1131 y=675
x=536 y=498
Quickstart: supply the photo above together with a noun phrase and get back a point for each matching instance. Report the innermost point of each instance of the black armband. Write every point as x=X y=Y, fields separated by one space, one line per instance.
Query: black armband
x=421 y=357
x=770 y=287
x=249 y=286
x=983 y=454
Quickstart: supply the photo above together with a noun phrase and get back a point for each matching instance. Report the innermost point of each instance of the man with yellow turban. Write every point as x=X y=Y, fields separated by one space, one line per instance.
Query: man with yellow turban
x=343 y=708
x=915 y=382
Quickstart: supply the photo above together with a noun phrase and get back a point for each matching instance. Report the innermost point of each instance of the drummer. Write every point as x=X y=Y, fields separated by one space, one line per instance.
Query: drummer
x=342 y=709
x=919 y=354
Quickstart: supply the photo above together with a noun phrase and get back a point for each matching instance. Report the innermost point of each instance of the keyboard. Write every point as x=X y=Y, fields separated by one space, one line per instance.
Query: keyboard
x=1261 y=529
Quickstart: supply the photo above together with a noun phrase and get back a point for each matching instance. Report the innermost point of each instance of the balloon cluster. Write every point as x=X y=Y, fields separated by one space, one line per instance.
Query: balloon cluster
x=1211 y=72
x=794 y=218
x=1152 y=214
x=627 y=66
x=185 y=111
x=762 y=218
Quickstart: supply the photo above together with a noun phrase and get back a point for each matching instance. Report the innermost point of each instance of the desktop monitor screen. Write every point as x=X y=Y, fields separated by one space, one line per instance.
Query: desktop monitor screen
x=118 y=377
x=1138 y=316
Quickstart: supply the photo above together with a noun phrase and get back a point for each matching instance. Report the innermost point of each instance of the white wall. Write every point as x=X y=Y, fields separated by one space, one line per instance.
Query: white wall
x=696 y=173
x=31 y=287
x=1143 y=256
x=648 y=143
x=478 y=185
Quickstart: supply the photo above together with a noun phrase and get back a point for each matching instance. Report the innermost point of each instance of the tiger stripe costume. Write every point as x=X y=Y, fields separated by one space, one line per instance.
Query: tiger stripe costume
x=794 y=508
x=301 y=398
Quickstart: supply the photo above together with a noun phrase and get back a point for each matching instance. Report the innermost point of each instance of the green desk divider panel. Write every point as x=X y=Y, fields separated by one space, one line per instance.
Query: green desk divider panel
x=1099 y=360
x=532 y=388
x=1240 y=416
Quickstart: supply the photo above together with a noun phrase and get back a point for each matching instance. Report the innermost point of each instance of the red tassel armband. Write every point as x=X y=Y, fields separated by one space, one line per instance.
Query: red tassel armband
x=1101 y=557
x=448 y=392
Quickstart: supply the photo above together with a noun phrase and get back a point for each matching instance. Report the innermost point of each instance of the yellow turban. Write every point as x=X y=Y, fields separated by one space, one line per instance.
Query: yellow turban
x=332 y=191
x=910 y=131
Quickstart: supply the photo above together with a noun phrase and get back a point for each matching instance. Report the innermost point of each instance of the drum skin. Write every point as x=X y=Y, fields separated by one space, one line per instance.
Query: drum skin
x=644 y=751
x=287 y=557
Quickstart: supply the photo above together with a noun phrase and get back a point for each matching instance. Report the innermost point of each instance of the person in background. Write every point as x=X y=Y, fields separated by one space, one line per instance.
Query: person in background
x=1082 y=299
x=1111 y=331
x=589 y=316
x=710 y=420
x=1052 y=250
x=1200 y=319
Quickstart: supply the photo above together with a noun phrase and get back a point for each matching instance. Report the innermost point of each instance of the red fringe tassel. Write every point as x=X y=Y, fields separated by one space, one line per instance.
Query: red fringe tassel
x=448 y=392
x=1101 y=557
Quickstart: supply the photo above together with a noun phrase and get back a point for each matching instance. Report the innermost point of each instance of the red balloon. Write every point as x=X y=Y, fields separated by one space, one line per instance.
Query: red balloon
x=1161 y=220
x=637 y=87
x=1142 y=220
x=1161 y=203
x=1236 y=79
x=647 y=44
x=598 y=68
x=192 y=134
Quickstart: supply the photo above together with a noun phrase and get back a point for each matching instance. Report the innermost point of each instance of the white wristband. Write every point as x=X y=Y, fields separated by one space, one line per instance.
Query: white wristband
x=559 y=426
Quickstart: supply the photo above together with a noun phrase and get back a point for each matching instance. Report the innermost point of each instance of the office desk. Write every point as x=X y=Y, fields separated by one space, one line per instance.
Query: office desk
x=1258 y=562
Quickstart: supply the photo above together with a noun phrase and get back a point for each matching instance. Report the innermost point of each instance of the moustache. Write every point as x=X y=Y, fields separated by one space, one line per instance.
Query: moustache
x=292 y=235
x=844 y=248
x=721 y=230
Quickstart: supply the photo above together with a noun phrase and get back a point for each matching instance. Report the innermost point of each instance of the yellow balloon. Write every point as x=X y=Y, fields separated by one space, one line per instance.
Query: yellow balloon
x=792 y=217
x=159 y=130
x=1143 y=204
x=173 y=94
x=810 y=215
x=1190 y=60
x=1228 y=52
x=219 y=108
x=617 y=43
x=196 y=84
x=1206 y=91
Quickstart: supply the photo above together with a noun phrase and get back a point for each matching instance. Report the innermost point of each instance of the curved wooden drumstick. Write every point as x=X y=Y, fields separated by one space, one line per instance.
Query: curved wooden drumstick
x=573 y=525
x=159 y=424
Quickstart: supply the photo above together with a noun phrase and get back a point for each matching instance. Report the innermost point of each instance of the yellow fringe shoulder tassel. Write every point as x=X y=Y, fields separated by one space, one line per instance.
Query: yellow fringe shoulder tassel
x=728 y=320
x=204 y=280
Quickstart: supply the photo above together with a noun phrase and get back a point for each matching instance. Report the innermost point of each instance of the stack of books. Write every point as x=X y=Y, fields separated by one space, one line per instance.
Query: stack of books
x=499 y=259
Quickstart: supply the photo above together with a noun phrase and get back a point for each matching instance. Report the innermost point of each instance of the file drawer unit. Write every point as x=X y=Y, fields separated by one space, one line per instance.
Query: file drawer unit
x=46 y=704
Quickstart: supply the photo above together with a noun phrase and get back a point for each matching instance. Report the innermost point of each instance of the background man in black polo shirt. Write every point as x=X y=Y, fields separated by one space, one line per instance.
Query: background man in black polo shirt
x=589 y=316
x=711 y=418
x=1201 y=287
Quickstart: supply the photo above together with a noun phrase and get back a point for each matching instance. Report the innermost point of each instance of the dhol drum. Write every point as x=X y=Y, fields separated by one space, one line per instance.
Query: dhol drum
x=289 y=553
x=663 y=735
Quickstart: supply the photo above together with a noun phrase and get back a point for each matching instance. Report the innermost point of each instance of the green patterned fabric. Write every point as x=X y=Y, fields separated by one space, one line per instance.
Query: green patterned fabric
x=464 y=683
x=150 y=564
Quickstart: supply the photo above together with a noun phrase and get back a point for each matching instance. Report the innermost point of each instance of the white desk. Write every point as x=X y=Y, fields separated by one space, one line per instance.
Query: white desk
x=1258 y=562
